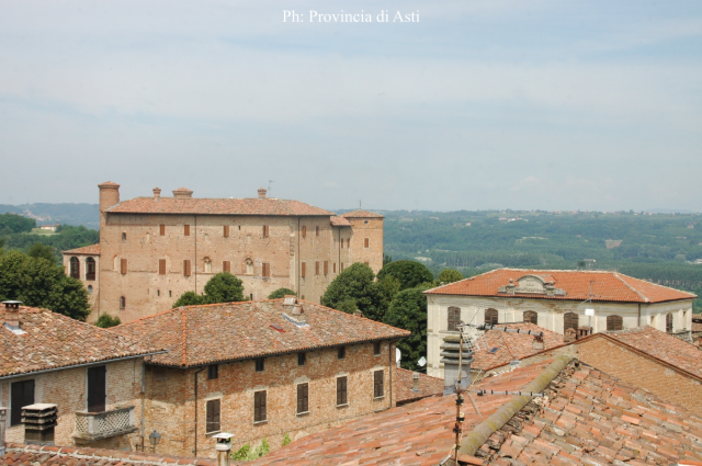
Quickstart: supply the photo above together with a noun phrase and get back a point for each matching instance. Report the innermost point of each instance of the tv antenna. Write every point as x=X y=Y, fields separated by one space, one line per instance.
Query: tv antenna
x=269 y=187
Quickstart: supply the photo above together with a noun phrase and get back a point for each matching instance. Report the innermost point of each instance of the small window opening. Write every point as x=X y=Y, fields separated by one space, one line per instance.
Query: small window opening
x=259 y=365
x=124 y=237
x=341 y=352
x=212 y=371
x=122 y=302
x=301 y=359
x=376 y=348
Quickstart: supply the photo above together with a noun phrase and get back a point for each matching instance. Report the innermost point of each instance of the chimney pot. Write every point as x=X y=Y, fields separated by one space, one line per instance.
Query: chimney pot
x=12 y=313
x=262 y=193
x=415 y=381
x=157 y=193
x=182 y=193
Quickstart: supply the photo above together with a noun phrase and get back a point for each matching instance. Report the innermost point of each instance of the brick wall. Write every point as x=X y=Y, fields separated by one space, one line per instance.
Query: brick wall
x=92 y=286
x=170 y=395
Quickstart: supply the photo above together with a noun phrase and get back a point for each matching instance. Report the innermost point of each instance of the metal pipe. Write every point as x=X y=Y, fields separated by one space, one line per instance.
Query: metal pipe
x=505 y=392
x=390 y=368
x=195 y=390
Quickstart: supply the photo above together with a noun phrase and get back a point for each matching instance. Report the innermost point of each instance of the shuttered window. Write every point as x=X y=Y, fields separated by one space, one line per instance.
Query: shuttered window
x=226 y=266
x=669 y=323
x=122 y=302
x=266 y=269
x=367 y=263
x=259 y=406
x=316 y=267
x=303 y=269
x=334 y=267
x=162 y=230
x=186 y=268
x=454 y=317
x=213 y=416
x=378 y=384
x=531 y=317
x=123 y=266
x=266 y=231
x=366 y=242
x=326 y=267
x=302 y=398
x=162 y=266
x=348 y=243
x=22 y=395
x=304 y=231
x=316 y=231
x=341 y=391
x=226 y=231
x=186 y=230
x=570 y=320
x=491 y=316
x=342 y=243
x=614 y=323
x=341 y=267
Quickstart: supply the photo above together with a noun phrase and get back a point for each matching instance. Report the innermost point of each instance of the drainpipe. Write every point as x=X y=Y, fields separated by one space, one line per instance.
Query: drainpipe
x=143 y=401
x=195 y=261
x=639 y=319
x=195 y=390
x=390 y=361
x=297 y=262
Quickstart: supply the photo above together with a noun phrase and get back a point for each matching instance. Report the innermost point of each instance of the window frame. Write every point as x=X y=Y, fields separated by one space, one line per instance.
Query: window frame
x=377 y=348
x=186 y=230
x=531 y=317
x=213 y=410
x=303 y=398
x=378 y=384
x=74 y=267
x=162 y=266
x=266 y=270
x=614 y=321
x=16 y=411
x=266 y=231
x=366 y=243
x=260 y=407
x=225 y=232
x=492 y=316
x=123 y=266
x=227 y=266
x=213 y=371
x=341 y=352
x=187 y=268
x=162 y=230
x=301 y=359
x=260 y=364
x=342 y=393
x=453 y=318
x=122 y=303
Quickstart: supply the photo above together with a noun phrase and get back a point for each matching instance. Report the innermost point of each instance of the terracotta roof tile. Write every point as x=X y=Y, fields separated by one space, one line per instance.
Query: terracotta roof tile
x=196 y=335
x=108 y=184
x=340 y=222
x=92 y=250
x=510 y=346
x=362 y=214
x=55 y=341
x=578 y=285
x=428 y=386
x=205 y=206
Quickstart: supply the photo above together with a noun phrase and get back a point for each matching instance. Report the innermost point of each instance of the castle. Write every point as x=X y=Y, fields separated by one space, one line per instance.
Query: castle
x=153 y=249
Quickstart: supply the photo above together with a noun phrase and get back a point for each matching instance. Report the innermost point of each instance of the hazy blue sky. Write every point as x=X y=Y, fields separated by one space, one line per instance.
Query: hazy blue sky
x=481 y=104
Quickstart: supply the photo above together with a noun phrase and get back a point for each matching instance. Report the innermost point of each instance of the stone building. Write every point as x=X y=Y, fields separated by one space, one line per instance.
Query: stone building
x=92 y=375
x=153 y=249
x=83 y=264
x=555 y=300
x=261 y=369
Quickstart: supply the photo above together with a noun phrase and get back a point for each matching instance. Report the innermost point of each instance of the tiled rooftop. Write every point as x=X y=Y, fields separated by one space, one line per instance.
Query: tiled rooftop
x=414 y=434
x=578 y=285
x=362 y=214
x=92 y=250
x=208 y=206
x=56 y=341
x=196 y=335
x=511 y=346
x=340 y=222
x=428 y=386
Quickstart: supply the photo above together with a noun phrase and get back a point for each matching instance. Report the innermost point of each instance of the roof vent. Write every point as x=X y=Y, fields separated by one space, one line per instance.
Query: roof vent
x=289 y=300
x=157 y=193
x=183 y=193
x=39 y=421
x=262 y=193
x=12 y=317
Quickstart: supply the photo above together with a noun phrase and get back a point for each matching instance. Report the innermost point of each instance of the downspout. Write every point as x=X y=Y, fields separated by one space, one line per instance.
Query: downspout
x=639 y=319
x=195 y=261
x=390 y=369
x=143 y=402
x=195 y=390
x=297 y=261
x=339 y=248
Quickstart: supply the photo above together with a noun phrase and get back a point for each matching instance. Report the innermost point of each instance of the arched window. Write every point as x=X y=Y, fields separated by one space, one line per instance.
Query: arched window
x=90 y=289
x=531 y=317
x=454 y=318
x=122 y=302
x=208 y=265
x=570 y=320
x=669 y=323
x=75 y=268
x=249 y=267
x=90 y=268
x=614 y=323
x=491 y=316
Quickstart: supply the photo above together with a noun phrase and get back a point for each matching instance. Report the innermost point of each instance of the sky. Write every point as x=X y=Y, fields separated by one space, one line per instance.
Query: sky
x=477 y=104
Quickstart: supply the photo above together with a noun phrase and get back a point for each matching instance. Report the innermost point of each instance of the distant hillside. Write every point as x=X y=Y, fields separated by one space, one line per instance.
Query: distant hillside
x=87 y=215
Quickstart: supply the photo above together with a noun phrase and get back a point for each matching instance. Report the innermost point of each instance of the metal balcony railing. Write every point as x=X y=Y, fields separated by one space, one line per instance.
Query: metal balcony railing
x=97 y=426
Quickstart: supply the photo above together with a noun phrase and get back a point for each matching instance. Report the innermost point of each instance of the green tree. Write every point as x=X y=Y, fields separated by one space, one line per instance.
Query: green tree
x=449 y=276
x=408 y=311
x=409 y=273
x=224 y=288
x=281 y=293
x=386 y=259
x=352 y=289
x=106 y=321
x=13 y=223
x=40 y=251
x=190 y=298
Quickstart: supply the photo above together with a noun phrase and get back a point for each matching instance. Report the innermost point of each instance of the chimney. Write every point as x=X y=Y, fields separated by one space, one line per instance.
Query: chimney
x=223 y=447
x=570 y=335
x=262 y=193
x=358 y=313
x=182 y=193
x=39 y=421
x=299 y=312
x=157 y=193
x=12 y=313
x=538 y=344
x=109 y=196
x=415 y=382
x=3 y=421
x=450 y=350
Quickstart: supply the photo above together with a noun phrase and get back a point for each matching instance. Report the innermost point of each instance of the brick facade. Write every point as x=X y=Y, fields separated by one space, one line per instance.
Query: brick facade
x=90 y=281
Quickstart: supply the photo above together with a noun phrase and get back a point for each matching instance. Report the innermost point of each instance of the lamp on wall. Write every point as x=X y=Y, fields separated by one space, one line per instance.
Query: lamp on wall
x=154 y=439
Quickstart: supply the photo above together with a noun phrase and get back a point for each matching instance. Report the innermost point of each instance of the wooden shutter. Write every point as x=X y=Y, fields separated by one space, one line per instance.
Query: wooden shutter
x=316 y=231
x=491 y=316
x=326 y=267
x=226 y=266
x=341 y=267
x=334 y=267
x=304 y=231
x=22 y=395
x=570 y=320
x=378 y=384
x=162 y=230
x=366 y=242
x=348 y=243
x=303 y=271
x=302 y=398
x=226 y=231
x=341 y=391
x=186 y=268
x=266 y=269
x=367 y=263
x=266 y=231
x=97 y=390
x=162 y=266
x=454 y=316
x=669 y=323
x=259 y=406
x=316 y=267
x=213 y=416
x=186 y=230
x=614 y=323
x=123 y=266
x=342 y=243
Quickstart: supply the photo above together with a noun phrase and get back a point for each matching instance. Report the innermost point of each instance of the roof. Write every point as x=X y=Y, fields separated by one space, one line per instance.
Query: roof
x=36 y=455
x=590 y=418
x=362 y=214
x=576 y=284
x=92 y=250
x=108 y=184
x=198 y=335
x=340 y=222
x=418 y=433
x=428 y=386
x=55 y=341
x=209 y=206
x=510 y=346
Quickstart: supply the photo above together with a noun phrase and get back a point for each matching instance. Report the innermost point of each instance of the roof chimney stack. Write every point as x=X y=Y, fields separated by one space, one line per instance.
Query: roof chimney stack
x=12 y=313
x=183 y=193
x=157 y=193
x=262 y=193
x=415 y=382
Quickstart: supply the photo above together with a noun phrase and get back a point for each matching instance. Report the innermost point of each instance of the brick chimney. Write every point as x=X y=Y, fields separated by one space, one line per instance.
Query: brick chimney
x=537 y=344
x=109 y=195
x=262 y=193
x=182 y=193
x=157 y=193
x=12 y=313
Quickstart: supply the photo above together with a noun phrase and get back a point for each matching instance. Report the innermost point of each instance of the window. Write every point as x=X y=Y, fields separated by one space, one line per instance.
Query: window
x=316 y=267
x=266 y=231
x=454 y=318
x=531 y=317
x=22 y=395
x=304 y=231
x=123 y=266
x=303 y=269
x=186 y=230
x=348 y=243
x=614 y=323
x=378 y=384
x=186 y=268
x=212 y=371
x=124 y=237
x=302 y=398
x=342 y=391
x=259 y=406
x=376 y=348
x=334 y=267
x=570 y=320
x=213 y=416
x=326 y=267
x=669 y=322
x=266 y=270
x=97 y=389
x=491 y=317
x=162 y=230
x=170 y=294
x=226 y=266
x=162 y=266
x=208 y=265
x=90 y=268
x=75 y=268
x=301 y=359
x=158 y=292
x=341 y=269
x=249 y=267
x=342 y=242
x=341 y=352
x=259 y=365
x=366 y=243
x=226 y=231
x=122 y=302
x=316 y=231
x=90 y=289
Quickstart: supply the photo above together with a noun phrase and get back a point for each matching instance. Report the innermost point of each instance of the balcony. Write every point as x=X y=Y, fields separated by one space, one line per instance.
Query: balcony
x=97 y=426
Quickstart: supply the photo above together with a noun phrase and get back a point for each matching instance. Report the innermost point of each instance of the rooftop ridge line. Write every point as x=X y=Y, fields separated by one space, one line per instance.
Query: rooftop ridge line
x=616 y=274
